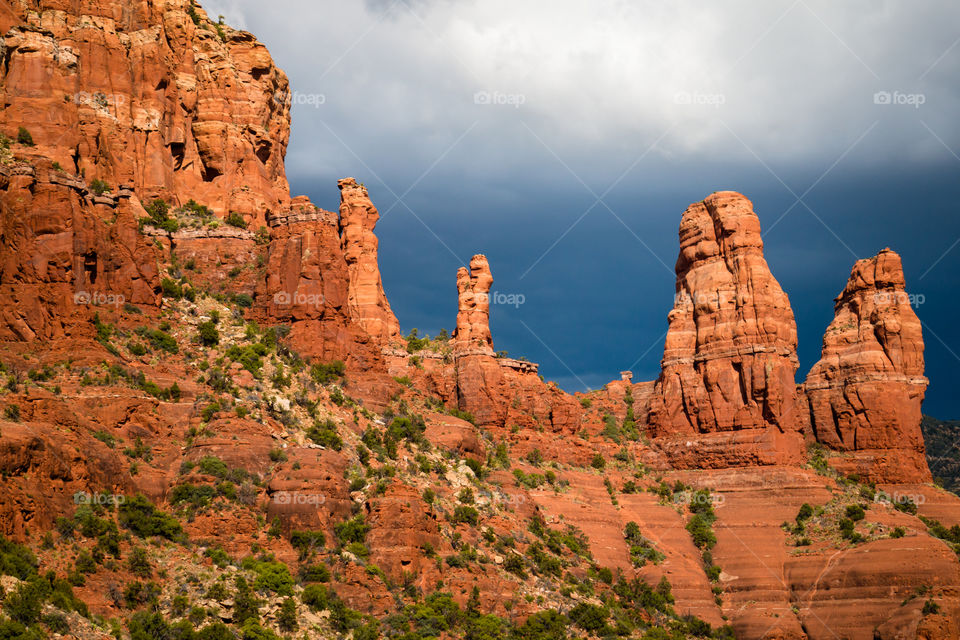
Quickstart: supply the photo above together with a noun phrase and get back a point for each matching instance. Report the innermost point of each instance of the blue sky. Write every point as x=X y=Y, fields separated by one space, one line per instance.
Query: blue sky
x=566 y=144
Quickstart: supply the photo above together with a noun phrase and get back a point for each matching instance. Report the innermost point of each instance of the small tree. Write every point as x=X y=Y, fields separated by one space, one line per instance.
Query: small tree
x=208 y=333
x=24 y=137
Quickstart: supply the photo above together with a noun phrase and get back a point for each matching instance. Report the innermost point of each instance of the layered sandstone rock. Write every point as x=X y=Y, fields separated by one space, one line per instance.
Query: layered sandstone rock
x=367 y=302
x=66 y=254
x=154 y=95
x=499 y=391
x=865 y=392
x=473 y=308
x=730 y=352
x=305 y=282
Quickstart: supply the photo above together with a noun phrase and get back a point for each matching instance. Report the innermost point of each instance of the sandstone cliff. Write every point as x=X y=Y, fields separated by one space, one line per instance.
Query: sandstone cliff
x=865 y=392
x=730 y=352
x=153 y=95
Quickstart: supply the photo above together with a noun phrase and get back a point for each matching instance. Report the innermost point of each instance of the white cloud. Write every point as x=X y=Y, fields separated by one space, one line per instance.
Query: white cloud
x=792 y=82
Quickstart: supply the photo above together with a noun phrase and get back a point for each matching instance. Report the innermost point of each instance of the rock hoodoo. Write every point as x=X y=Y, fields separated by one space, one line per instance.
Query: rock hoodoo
x=865 y=392
x=473 y=314
x=365 y=297
x=730 y=352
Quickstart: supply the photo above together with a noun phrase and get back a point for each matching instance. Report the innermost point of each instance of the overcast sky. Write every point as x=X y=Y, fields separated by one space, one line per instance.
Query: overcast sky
x=564 y=140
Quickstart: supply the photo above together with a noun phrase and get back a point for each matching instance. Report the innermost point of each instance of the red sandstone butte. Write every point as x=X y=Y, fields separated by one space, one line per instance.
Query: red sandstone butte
x=730 y=353
x=865 y=392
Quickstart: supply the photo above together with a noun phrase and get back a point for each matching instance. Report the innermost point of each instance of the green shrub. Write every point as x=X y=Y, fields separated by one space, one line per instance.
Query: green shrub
x=139 y=563
x=590 y=617
x=325 y=434
x=467 y=515
x=805 y=513
x=543 y=625
x=12 y=413
x=24 y=137
x=353 y=530
x=140 y=516
x=245 y=605
x=315 y=573
x=208 y=334
x=855 y=512
x=170 y=289
x=305 y=541
x=270 y=576
x=327 y=373
x=16 y=560
x=136 y=348
x=234 y=219
x=701 y=532
x=287 y=615
x=598 y=462
x=158 y=216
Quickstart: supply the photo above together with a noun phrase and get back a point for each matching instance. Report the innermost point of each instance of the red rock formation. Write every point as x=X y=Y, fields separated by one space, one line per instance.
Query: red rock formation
x=367 y=302
x=499 y=391
x=64 y=253
x=866 y=390
x=305 y=282
x=473 y=312
x=730 y=352
x=137 y=93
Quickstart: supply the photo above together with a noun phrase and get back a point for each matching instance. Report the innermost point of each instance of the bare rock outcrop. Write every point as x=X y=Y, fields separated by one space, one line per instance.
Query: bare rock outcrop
x=499 y=391
x=473 y=311
x=730 y=353
x=366 y=300
x=155 y=95
x=865 y=392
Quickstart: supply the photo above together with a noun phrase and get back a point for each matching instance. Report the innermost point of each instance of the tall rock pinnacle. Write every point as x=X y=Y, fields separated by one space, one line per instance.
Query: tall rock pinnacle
x=366 y=300
x=730 y=353
x=473 y=314
x=866 y=390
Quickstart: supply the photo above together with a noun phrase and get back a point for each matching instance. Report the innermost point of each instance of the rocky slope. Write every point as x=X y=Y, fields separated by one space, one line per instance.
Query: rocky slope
x=212 y=426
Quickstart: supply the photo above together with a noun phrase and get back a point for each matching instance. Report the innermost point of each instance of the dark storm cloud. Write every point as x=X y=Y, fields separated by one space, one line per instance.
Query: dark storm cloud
x=565 y=143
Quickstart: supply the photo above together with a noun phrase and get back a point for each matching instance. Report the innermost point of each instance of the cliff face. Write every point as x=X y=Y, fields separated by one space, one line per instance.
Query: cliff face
x=62 y=248
x=150 y=94
x=730 y=352
x=865 y=392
